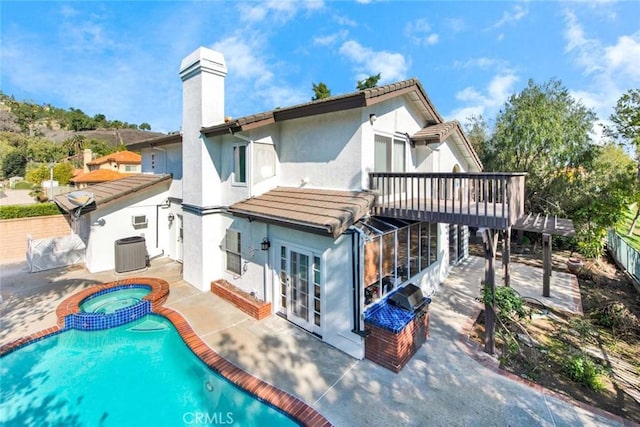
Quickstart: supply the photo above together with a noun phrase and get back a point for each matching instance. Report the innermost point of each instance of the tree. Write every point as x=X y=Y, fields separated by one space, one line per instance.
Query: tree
x=14 y=164
x=542 y=131
x=75 y=145
x=37 y=174
x=626 y=126
x=595 y=198
x=321 y=91
x=369 y=82
x=145 y=126
x=477 y=130
x=63 y=172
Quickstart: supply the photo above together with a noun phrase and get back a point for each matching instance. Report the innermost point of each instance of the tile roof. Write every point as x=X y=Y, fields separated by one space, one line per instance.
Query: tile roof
x=110 y=191
x=327 y=212
x=100 y=175
x=128 y=157
x=361 y=98
x=438 y=133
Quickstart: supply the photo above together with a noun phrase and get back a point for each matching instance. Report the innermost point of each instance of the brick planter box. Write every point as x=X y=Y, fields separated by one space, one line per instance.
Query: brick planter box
x=244 y=301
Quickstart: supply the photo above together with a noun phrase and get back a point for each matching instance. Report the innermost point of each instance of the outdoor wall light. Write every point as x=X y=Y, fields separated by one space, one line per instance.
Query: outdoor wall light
x=372 y=118
x=265 y=244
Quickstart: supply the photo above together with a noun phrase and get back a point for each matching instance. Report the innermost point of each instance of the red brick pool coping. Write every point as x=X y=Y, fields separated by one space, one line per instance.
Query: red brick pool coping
x=285 y=402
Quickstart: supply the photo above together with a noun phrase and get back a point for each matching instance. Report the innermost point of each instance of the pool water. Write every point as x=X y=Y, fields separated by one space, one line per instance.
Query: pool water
x=137 y=374
x=109 y=302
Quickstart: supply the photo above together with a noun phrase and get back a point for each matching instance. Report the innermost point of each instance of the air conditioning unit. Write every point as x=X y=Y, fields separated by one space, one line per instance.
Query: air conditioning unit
x=139 y=221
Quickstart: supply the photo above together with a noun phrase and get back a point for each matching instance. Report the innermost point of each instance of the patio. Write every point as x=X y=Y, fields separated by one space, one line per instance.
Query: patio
x=442 y=385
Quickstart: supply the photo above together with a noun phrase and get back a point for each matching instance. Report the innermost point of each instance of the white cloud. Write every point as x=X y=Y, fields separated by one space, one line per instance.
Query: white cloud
x=482 y=63
x=419 y=32
x=510 y=17
x=456 y=25
x=330 y=39
x=606 y=66
x=343 y=20
x=242 y=59
x=486 y=102
x=276 y=10
x=367 y=62
x=625 y=56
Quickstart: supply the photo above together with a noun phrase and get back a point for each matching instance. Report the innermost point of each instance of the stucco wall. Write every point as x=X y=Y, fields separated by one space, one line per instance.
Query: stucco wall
x=102 y=227
x=14 y=233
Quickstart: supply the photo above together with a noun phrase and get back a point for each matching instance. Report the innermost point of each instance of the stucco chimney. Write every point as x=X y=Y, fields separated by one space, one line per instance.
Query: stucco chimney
x=202 y=73
x=87 y=156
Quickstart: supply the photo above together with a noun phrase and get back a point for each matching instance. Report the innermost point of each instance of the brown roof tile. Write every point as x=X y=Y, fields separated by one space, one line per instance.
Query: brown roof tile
x=320 y=211
x=107 y=192
x=128 y=157
x=100 y=175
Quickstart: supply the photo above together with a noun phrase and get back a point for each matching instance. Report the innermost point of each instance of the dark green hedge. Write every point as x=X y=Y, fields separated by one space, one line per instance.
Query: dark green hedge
x=26 y=211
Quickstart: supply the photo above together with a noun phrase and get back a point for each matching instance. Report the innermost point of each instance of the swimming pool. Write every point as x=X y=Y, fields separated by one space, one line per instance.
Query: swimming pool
x=136 y=374
x=129 y=368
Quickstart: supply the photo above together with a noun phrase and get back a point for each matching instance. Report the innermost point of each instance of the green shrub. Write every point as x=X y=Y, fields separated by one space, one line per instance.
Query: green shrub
x=22 y=185
x=26 y=211
x=508 y=304
x=582 y=369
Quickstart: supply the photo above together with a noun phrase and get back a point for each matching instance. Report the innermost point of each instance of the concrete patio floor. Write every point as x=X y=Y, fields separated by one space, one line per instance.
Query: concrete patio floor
x=442 y=385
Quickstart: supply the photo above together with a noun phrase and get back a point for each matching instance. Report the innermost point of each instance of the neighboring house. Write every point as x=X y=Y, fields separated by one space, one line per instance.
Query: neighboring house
x=111 y=167
x=309 y=207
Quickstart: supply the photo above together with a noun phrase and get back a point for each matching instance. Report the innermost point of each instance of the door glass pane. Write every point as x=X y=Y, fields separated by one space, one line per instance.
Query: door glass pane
x=403 y=256
x=414 y=249
x=433 y=245
x=424 y=245
x=316 y=291
x=283 y=277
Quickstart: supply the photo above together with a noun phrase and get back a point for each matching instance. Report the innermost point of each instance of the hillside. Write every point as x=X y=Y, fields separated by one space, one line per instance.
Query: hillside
x=57 y=125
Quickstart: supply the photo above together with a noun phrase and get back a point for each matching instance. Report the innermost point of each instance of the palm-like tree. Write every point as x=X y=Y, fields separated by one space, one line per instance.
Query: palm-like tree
x=74 y=146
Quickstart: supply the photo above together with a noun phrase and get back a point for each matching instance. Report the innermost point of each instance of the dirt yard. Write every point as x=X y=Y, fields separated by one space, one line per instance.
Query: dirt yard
x=593 y=358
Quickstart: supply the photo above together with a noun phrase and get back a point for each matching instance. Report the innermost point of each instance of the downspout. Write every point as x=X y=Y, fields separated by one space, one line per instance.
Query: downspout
x=266 y=264
x=355 y=275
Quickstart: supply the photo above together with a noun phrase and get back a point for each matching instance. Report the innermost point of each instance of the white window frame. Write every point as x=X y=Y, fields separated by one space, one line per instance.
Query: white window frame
x=230 y=251
x=390 y=151
x=236 y=164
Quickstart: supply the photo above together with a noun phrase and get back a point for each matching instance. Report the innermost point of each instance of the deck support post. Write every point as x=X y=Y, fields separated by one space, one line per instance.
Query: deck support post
x=546 y=265
x=506 y=256
x=490 y=244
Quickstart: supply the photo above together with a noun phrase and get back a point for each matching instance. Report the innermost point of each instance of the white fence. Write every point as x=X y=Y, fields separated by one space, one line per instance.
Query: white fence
x=45 y=254
x=624 y=254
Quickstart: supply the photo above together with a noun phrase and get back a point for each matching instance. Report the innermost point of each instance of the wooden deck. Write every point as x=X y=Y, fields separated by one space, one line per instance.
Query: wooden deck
x=493 y=200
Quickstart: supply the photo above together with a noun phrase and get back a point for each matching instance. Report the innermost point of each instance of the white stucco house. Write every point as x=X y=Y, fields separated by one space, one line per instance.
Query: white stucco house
x=287 y=204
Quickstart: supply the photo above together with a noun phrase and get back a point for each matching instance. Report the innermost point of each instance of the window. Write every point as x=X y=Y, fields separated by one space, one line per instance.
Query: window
x=389 y=154
x=240 y=164
x=130 y=168
x=233 y=249
x=316 y=290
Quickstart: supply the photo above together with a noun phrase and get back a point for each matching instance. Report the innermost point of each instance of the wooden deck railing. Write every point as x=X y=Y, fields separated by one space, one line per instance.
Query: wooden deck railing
x=494 y=200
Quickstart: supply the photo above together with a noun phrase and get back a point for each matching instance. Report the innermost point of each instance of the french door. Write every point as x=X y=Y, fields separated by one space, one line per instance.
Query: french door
x=299 y=277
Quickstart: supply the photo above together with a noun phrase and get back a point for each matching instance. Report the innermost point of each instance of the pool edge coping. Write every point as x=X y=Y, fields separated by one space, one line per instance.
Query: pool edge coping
x=283 y=401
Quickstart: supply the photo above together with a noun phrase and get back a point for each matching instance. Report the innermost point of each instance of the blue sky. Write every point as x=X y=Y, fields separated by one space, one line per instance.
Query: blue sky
x=121 y=58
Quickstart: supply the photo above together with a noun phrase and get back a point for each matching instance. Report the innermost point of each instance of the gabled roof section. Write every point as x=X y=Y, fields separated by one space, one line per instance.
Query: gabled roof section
x=362 y=98
x=108 y=192
x=438 y=133
x=325 y=212
x=124 y=157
